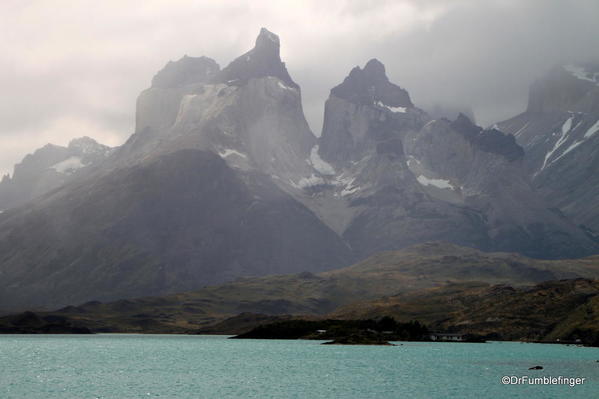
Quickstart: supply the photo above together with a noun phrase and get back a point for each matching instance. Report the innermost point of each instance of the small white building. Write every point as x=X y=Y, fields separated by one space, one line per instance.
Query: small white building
x=446 y=337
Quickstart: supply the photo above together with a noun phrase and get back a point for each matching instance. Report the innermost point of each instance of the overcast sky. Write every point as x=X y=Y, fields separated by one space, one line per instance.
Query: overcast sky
x=74 y=68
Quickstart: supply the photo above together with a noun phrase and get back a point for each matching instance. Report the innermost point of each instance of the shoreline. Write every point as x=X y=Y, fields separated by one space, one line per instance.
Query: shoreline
x=227 y=336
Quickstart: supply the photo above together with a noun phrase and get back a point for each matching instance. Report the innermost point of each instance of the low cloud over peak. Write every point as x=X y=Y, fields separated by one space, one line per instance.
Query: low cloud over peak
x=73 y=70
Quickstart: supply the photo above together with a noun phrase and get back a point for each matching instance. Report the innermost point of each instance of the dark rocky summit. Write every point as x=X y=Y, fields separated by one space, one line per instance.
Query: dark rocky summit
x=262 y=61
x=370 y=85
x=488 y=140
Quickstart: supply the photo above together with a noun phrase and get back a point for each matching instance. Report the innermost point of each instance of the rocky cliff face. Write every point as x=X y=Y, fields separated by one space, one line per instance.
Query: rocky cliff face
x=368 y=97
x=482 y=170
x=157 y=107
x=403 y=177
x=250 y=113
x=560 y=134
x=48 y=168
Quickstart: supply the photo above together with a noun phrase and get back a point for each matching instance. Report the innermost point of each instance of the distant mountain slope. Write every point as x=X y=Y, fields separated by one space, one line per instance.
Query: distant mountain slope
x=174 y=223
x=566 y=310
x=411 y=270
x=48 y=168
x=560 y=134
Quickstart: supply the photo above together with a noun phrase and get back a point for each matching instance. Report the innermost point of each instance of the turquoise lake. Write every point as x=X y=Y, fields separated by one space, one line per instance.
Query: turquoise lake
x=178 y=366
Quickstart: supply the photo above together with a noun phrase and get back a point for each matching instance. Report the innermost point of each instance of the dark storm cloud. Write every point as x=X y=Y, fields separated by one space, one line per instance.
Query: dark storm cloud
x=75 y=68
x=479 y=55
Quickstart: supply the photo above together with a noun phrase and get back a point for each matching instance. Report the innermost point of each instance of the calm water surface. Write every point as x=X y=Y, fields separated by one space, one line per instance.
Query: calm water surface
x=168 y=366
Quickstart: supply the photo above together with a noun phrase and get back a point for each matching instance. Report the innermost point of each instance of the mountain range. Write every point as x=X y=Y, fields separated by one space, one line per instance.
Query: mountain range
x=223 y=178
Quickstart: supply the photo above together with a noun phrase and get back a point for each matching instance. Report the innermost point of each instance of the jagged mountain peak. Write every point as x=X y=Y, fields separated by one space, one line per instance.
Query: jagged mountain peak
x=186 y=70
x=364 y=114
x=376 y=69
x=86 y=145
x=464 y=125
x=464 y=119
x=495 y=141
x=261 y=61
x=80 y=140
x=268 y=41
x=370 y=85
x=489 y=140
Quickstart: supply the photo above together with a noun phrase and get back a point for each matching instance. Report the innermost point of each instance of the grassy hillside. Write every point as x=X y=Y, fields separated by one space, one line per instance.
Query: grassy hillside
x=565 y=310
x=394 y=273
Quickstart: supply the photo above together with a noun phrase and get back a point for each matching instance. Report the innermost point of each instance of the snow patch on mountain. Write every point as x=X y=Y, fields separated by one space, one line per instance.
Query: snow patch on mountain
x=343 y=180
x=349 y=189
x=68 y=166
x=319 y=164
x=306 y=182
x=439 y=183
x=283 y=86
x=589 y=133
x=412 y=161
x=573 y=146
x=392 y=109
x=229 y=151
x=87 y=146
x=582 y=74
x=592 y=130
x=566 y=127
